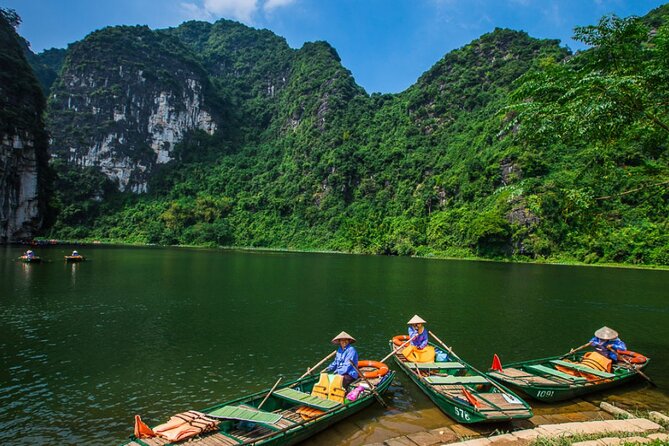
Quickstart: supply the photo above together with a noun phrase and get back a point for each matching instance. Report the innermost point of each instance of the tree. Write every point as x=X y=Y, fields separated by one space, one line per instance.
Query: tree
x=11 y=16
x=620 y=82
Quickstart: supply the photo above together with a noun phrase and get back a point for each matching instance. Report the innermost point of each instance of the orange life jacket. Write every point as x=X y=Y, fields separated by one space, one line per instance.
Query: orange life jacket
x=597 y=361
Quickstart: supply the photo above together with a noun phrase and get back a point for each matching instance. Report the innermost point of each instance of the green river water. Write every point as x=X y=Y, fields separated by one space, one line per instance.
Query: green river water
x=155 y=331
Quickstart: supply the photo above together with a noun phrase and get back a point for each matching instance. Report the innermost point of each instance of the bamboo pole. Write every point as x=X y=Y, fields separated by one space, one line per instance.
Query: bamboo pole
x=497 y=386
x=311 y=369
x=371 y=386
x=399 y=348
x=270 y=392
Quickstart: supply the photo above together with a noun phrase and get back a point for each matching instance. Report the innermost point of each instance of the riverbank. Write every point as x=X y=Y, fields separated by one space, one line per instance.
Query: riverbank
x=559 y=261
x=605 y=425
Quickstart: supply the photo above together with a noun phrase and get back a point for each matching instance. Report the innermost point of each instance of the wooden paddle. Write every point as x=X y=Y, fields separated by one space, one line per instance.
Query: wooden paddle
x=399 y=348
x=445 y=346
x=270 y=392
x=311 y=369
x=371 y=387
x=497 y=386
x=574 y=350
x=633 y=367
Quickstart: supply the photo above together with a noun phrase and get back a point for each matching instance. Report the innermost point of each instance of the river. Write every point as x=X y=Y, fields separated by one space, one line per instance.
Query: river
x=155 y=331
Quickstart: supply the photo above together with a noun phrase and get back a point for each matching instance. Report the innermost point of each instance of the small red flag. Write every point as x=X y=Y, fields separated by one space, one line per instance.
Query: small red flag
x=496 y=363
x=142 y=430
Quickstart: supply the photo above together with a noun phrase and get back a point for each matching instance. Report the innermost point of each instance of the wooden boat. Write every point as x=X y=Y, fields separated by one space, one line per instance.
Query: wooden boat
x=74 y=259
x=34 y=259
x=540 y=378
x=289 y=415
x=462 y=392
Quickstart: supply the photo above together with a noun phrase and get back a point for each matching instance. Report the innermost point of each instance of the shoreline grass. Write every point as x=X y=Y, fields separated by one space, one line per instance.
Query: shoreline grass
x=555 y=261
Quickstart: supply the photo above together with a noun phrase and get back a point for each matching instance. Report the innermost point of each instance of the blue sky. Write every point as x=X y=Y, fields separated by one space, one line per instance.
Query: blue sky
x=387 y=44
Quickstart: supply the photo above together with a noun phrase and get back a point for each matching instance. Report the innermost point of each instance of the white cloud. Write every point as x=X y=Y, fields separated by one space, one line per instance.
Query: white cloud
x=191 y=11
x=273 y=4
x=242 y=10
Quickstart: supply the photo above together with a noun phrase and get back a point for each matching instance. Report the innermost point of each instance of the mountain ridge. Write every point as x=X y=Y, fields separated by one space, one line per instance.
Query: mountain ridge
x=303 y=157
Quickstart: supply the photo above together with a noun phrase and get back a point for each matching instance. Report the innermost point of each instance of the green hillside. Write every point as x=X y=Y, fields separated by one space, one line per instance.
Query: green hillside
x=509 y=147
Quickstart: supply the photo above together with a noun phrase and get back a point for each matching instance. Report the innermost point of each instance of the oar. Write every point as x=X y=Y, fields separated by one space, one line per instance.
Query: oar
x=371 y=387
x=633 y=367
x=643 y=375
x=444 y=345
x=399 y=348
x=270 y=392
x=571 y=352
x=311 y=369
x=418 y=370
x=497 y=386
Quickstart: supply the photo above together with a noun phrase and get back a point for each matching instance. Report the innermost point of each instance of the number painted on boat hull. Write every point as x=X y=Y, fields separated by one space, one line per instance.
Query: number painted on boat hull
x=462 y=414
x=545 y=393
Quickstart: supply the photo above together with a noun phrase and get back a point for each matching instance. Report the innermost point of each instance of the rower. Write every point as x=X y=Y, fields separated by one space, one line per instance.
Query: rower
x=418 y=350
x=346 y=354
x=606 y=342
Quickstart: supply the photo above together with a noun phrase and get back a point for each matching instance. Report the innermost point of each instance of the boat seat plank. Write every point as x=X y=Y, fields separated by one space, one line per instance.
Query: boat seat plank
x=222 y=440
x=154 y=441
x=212 y=440
x=456 y=380
x=225 y=440
x=498 y=400
x=521 y=377
x=438 y=365
x=549 y=371
x=582 y=368
x=290 y=414
x=304 y=398
x=245 y=414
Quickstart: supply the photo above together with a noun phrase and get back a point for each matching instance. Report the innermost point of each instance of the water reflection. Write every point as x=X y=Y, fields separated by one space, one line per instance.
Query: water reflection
x=27 y=269
x=158 y=331
x=74 y=267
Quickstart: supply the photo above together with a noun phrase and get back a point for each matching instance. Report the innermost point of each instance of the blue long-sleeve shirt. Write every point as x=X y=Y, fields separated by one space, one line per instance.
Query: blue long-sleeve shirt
x=421 y=339
x=602 y=347
x=341 y=364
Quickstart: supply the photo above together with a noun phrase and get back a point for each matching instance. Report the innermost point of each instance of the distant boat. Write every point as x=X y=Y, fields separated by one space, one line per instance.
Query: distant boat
x=285 y=415
x=30 y=259
x=74 y=259
x=462 y=392
x=564 y=377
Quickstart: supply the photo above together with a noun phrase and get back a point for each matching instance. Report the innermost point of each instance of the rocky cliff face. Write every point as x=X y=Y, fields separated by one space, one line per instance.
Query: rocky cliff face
x=23 y=142
x=251 y=67
x=125 y=97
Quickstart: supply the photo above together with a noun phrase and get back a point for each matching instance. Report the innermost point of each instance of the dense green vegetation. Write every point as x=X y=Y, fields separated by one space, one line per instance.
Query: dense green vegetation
x=21 y=100
x=509 y=147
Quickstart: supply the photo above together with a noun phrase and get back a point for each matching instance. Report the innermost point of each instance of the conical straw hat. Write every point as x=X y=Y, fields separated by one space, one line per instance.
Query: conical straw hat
x=416 y=320
x=343 y=335
x=606 y=333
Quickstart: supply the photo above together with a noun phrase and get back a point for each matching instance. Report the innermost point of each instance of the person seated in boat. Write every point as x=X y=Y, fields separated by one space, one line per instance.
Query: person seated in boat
x=346 y=354
x=418 y=349
x=606 y=342
x=30 y=254
x=75 y=253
